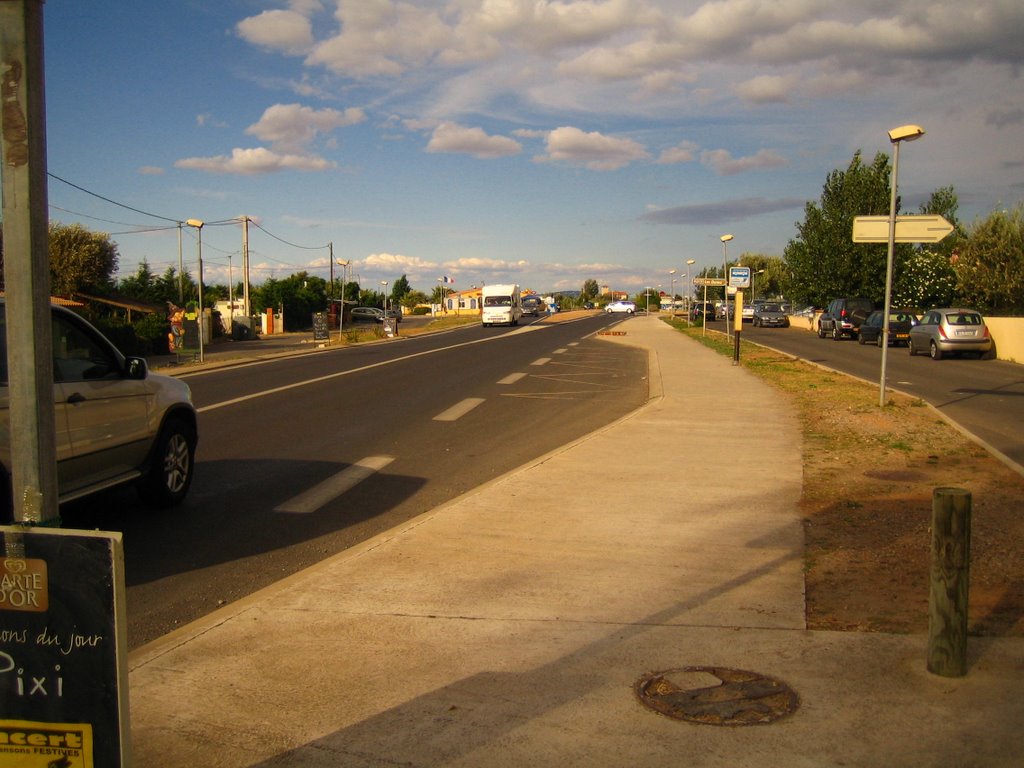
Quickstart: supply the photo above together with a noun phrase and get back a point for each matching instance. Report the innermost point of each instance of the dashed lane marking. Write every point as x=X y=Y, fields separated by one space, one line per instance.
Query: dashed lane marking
x=459 y=410
x=323 y=493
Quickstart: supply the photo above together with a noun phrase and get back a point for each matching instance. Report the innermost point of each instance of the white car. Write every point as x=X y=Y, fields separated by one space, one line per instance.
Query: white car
x=621 y=306
x=116 y=422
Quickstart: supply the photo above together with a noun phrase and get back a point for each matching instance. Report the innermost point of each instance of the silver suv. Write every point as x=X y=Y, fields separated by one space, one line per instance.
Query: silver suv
x=116 y=422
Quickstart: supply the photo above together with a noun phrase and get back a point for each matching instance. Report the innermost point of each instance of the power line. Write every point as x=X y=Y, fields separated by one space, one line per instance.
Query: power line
x=112 y=202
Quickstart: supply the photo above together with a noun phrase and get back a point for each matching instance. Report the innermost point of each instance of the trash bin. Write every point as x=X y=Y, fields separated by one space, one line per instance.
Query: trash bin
x=241 y=329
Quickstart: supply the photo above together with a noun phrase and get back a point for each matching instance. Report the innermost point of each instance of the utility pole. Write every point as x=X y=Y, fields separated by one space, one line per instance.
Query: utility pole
x=27 y=263
x=245 y=267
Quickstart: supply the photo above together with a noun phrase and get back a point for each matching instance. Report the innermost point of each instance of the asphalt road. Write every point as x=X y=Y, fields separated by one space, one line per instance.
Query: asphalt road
x=985 y=397
x=302 y=457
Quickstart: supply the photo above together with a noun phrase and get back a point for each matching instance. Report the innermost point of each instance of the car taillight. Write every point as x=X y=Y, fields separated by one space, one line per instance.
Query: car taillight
x=942 y=332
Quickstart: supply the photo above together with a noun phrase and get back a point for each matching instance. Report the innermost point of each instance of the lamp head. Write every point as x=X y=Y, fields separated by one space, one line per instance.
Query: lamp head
x=198 y=224
x=906 y=133
x=691 y=261
x=725 y=238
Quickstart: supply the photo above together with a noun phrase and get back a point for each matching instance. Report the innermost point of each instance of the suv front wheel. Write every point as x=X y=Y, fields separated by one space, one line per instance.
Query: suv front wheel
x=172 y=465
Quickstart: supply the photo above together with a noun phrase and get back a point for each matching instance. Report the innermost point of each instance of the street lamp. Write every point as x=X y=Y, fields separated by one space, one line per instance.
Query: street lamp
x=752 y=276
x=344 y=279
x=896 y=137
x=385 y=284
x=198 y=224
x=725 y=274
x=673 y=273
x=689 y=287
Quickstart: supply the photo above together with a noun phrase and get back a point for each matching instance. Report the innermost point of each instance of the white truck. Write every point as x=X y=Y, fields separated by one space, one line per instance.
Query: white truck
x=502 y=305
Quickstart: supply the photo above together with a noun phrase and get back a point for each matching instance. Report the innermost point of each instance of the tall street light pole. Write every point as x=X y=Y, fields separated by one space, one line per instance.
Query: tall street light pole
x=725 y=274
x=672 y=272
x=198 y=224
x=344 y=280
x=689 y=288
x=896 y=137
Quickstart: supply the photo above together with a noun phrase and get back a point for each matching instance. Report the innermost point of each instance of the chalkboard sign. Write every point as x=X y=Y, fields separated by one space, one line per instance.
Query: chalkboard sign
x=321 y=330
x=63 y=676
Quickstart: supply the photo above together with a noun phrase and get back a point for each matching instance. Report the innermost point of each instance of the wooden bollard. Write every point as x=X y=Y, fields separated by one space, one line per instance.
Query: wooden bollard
x=950 y=579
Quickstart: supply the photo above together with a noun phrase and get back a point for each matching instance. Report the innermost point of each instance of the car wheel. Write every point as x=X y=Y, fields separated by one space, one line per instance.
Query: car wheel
x=836 y=333
x=172 y=465
x=879 y=341
x=821 y=332
x=934 y=352
x=861 y=339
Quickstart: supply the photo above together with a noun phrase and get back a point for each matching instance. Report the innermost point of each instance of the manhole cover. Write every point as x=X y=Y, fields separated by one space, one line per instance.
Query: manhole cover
x=717 y=696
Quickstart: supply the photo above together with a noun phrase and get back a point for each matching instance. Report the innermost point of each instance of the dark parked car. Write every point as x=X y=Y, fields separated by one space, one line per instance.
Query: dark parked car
x=700 y=310
x=900 y=323
x=842 y=317
x=950 y=330
x=770 y=315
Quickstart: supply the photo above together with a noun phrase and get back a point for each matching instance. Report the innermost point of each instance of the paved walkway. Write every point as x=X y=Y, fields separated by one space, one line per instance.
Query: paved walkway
x=493 y=633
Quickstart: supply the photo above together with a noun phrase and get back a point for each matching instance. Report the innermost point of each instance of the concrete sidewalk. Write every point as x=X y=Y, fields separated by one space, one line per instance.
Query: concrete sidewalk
x=493 y=633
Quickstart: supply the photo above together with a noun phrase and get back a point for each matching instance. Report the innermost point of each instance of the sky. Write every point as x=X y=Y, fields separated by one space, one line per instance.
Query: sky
x=541 y=142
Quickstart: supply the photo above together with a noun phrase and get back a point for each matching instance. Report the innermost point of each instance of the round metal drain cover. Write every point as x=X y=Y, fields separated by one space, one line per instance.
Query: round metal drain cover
x=717 y=696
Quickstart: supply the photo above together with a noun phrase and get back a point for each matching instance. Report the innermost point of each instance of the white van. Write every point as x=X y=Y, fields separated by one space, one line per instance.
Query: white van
x=502 y=305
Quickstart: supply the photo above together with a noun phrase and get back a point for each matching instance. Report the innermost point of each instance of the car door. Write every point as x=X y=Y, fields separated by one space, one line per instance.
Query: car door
x=106 y=413
x=60 y=416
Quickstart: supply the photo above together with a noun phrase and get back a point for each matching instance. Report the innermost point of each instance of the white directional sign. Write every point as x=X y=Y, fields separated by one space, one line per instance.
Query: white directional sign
x=909 y=229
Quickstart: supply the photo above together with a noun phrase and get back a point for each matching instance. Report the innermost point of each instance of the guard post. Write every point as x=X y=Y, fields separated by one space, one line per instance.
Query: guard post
x=950 y=579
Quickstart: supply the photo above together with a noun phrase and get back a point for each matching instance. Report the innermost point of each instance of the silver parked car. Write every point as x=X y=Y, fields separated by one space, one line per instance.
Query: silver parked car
x=116 y=422
x=950 y=330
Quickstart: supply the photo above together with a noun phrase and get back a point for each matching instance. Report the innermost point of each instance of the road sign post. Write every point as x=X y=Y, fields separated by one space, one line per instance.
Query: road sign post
x=909 y=229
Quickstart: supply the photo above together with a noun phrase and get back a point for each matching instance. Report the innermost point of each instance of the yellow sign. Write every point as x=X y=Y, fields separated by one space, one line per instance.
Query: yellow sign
x=28 y=744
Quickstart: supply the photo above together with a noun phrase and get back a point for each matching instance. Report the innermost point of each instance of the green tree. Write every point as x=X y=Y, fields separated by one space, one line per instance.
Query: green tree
x=591 y=290
x=400 y=289
x=80 y=260
x=823 y=260
x=299 y=296
x=989 y=265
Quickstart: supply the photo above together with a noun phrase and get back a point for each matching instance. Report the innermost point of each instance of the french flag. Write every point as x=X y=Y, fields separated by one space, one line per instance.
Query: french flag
x=448 y=279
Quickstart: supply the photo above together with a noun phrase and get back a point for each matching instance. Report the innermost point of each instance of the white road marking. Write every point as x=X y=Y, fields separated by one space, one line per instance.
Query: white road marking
x=560 y=351
x=512 y=378
x=541 y=361
x=459 y=410
x=328 y=377
x=331 y=488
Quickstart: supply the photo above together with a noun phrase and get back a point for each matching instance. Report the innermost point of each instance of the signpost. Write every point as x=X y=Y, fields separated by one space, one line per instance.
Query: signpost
x=739 y=277
x=909 y=229
x=63 y=671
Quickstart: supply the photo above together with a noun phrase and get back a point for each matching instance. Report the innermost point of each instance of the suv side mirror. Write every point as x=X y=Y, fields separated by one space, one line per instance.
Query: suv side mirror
x=136 y=368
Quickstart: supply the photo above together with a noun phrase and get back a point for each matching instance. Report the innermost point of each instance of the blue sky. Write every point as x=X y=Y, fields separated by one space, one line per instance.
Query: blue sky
x=492 y=141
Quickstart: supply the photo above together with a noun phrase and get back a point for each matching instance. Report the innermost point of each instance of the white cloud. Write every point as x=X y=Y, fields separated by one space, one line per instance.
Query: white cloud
x=285 y=31
x=294 y=126
x=393 y=262
x=766 y=89
x=684 y=152
x=593 y=150
x=250 y=162
x=449 y=137
x=724 y=164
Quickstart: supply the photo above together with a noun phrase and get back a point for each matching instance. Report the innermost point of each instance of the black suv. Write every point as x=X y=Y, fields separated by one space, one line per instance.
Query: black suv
x=843 y=317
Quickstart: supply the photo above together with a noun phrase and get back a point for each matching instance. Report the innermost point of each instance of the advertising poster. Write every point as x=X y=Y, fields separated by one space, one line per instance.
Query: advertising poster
x=63 y=677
